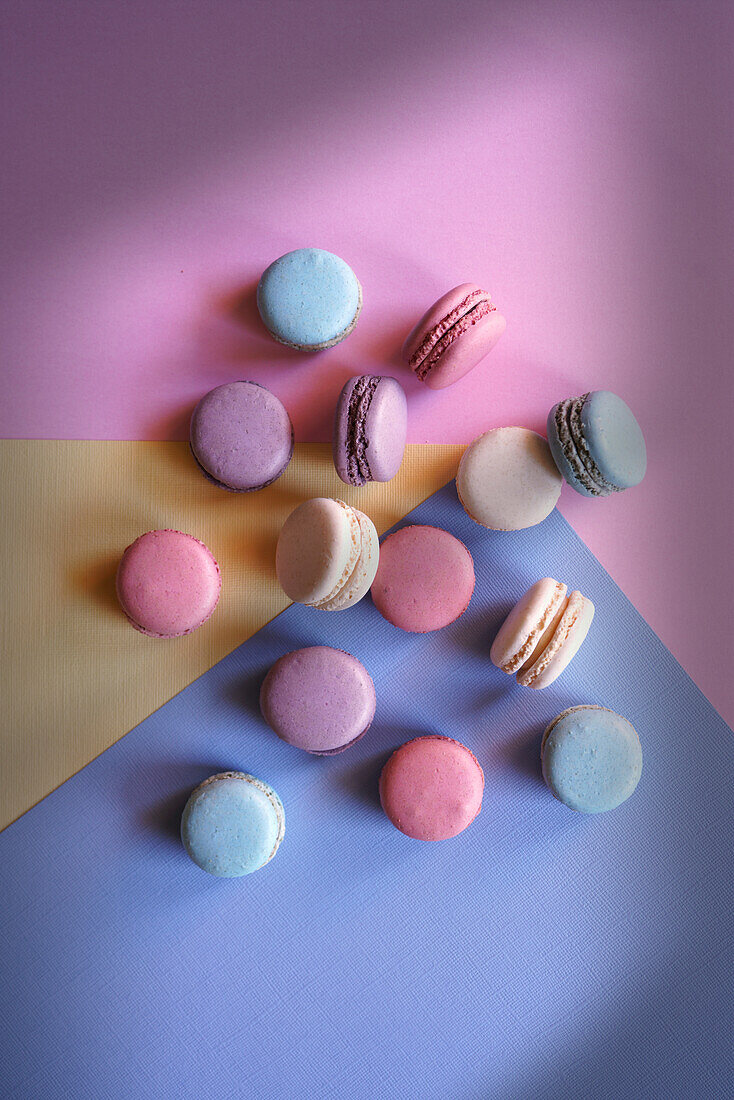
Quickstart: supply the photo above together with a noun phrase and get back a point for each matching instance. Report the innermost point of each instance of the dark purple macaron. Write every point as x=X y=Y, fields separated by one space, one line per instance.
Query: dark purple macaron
x=319 y=699
x=370 y=429
x=241 y=436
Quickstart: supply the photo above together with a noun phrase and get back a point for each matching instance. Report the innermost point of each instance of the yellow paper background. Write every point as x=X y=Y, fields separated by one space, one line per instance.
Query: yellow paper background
x=75 y=676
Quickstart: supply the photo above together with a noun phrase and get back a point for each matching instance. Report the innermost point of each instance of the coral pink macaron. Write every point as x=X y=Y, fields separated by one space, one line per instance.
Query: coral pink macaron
x=453 y=336
x=425 y=579
x=431 y=788
x=168 y=583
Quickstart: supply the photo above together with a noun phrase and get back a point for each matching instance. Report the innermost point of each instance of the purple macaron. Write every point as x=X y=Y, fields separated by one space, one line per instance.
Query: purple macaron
x=241 y=436
x=370 y=429
x=319 y=699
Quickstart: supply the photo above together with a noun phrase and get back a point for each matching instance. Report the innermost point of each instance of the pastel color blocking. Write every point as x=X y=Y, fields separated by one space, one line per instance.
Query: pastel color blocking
x=542 y=633
x=319 y=699
x=425 y=579
x=327 y=554
x=591 y=758
x=597 y=443
x=232 y=824
x=431 y=788
x=241 y=436
x=168 y=583
x=453 y=336
x=507 y=479
x=309 y=299
x=370 y=429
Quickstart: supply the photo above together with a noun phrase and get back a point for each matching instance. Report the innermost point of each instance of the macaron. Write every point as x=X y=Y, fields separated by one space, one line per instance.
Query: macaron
x=370 y=429
x=168 y=583
x=592 y=759
x=425 y=579
x=597 y=443
x=542 y=633
x=309 y=299
x=431 y=788
x=241 y=436
x=507 y=479
x=453 y=336
x=319 y=699
x=232 y=824
x=327 y=554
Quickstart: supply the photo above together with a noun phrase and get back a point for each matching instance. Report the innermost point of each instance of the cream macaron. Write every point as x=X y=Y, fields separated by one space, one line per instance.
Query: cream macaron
x=542 y=633
x=327 y=554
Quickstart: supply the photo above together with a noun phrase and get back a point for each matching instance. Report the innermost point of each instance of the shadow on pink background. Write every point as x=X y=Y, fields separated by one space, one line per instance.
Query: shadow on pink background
x=577 y=162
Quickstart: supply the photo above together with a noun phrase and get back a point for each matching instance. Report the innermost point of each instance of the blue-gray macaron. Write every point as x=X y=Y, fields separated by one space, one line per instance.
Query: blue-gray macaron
x=597 y=444
x=592 y=759
x=309 y=299
x=232 y=824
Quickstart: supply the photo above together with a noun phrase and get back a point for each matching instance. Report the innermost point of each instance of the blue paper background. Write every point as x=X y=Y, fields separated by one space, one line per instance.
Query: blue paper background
x=540 y=954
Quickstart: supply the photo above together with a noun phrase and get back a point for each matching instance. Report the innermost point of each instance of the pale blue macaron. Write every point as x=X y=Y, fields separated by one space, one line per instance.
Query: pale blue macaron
x=232 y=824
x=597 y=444
x=309 y=299
x=592 y=759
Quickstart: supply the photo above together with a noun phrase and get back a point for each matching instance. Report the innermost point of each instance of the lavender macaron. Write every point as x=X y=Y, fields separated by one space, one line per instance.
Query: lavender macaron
x=370 y=429
x=321 y=700
x=241 y=436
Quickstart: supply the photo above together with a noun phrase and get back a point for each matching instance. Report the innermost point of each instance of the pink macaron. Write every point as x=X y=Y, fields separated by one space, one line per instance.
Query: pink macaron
x=425 y=579
x=453 y=336
x=168 y=583
x=431 y=788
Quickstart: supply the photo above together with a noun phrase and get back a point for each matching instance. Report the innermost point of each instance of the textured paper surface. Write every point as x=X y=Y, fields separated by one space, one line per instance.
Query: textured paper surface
x=74 y=675
x=541 y=954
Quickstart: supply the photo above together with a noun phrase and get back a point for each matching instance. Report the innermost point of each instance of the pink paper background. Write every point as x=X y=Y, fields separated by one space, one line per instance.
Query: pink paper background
x=574 y=158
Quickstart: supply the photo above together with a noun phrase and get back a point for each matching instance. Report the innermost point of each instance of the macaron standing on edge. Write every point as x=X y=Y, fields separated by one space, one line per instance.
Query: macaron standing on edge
x=507 y=479
x=597 y=443
x=453 y=336
x=542 y=634
x=327 y=554
x=591 y=758
x=370 y=429
x=241 y=436
x=168 y=583
x=320 y=699
x=309 y=299
x=431 y=788
x=425 y=579
x=232 y=824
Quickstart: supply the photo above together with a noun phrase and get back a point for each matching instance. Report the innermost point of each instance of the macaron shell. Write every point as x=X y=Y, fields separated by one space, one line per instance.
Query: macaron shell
x=358 y=583
x=591 y=759
x=524 y=626
x=425 y=579
x=318 y=547
x=507 y=479
x=564 y=644
x=431 y=788
x=241 y=436
x=439 y=317
x=614 y=439
x=386 y=429
x=473 y=340
x=318 y=699
x=168 y=583
x=232 y=824
x=309 y=299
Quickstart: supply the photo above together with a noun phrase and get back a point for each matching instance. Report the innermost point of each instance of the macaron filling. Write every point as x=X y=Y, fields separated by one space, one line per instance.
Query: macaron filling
x=476 y=305
x=571 y=437
x=358 y=468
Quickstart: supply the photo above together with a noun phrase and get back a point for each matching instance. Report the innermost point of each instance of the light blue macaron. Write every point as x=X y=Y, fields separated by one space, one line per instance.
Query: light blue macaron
x=309 y=299
x=232 y=824
x=592 y=759
x=597 y=444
